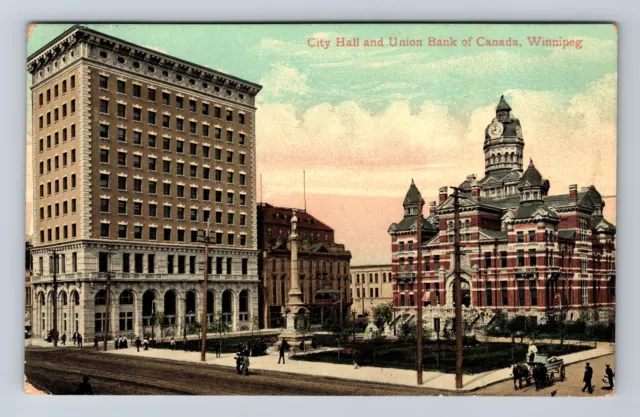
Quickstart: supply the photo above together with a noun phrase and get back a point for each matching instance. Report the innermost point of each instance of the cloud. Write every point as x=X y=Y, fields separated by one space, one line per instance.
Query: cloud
x=285 y=80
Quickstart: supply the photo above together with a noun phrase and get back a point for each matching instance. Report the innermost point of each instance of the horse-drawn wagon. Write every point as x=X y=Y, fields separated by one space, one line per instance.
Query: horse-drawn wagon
x=543 y=369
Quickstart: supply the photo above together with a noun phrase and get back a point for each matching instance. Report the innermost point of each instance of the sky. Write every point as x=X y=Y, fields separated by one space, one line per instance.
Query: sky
x=362 y=122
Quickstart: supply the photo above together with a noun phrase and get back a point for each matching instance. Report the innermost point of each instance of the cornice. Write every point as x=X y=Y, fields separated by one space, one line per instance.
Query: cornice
x=137 y=59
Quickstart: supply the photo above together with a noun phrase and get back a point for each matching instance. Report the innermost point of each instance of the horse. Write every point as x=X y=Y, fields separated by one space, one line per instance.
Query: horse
x=520 y=371
x=540 y=375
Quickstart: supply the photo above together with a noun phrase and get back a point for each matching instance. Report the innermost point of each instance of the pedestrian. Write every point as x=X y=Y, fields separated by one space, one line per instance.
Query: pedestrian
x=64 y=338
x=116 y=342
x=79 y=340
x=217 y=350
x=145 y=342
x=609 y=373
x=284 y=346
x=239 y=360
x=172 y=343
x=75 y=337
x=85 y=387
x=588 y=374
x=95 y=342
x=124 y=344
x=138 y=343
x=356 y=359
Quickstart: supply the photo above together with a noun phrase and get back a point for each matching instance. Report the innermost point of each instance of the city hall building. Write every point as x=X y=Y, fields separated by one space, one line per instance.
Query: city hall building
x=524 y=251
x=134 y=152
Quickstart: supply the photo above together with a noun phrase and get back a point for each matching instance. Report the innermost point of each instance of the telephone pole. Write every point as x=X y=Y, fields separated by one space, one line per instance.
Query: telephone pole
x=204 y=237
x=419 y=289
x=54 y=336
x=457 y=286
x=108 y=302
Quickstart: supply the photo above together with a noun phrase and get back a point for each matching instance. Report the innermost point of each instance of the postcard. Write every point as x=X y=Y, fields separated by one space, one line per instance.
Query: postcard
x=321 y=209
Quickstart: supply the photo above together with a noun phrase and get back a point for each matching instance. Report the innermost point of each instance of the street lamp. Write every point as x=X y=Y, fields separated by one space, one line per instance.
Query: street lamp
x=54 y=336
x=204 y=237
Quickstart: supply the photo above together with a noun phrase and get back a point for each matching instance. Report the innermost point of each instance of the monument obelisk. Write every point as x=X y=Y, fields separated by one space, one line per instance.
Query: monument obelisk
x=295 y=307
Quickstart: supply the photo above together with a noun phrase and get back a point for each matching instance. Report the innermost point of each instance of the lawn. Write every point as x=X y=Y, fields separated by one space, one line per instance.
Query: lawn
x=476 y=359
x=229 y=344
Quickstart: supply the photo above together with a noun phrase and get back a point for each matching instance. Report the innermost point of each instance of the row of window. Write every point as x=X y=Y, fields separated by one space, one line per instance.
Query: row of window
x=372 y=293
x=373 y=278
x=167 y=234
x=309 y=265
x=56 y=138
x=56 y=114
x=176 y=264
x=167 y=188
x=54 y=210
x=152 y=212
x=121 y=88
x=68 y=158
x=152 y=163
x=166 y=122
x=56 y=186
x=50 y=237
x=56 y=90
x=313 y=234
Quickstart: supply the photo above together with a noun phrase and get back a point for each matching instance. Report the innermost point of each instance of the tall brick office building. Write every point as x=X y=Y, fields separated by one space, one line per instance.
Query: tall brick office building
x=524 y=251
x=133 y=152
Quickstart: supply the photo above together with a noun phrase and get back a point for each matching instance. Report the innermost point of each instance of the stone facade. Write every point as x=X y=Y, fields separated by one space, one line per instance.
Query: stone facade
x=135 y=152
x=523 y=251
x=371 y=286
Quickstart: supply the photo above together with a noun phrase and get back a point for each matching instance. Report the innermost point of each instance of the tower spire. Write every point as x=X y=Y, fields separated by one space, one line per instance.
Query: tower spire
x=503 y=105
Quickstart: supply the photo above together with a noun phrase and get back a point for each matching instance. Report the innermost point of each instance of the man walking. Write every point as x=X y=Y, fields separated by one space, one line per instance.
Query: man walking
x=64 y=338
x=85 y=387
x=116 y=342
x=138 y=343
x=79 y=340
x=217 y=350
x=75 y=337
x=609 y=373
x=95 y=342
x=588 y=374
x=172 y=343
x=284 y=346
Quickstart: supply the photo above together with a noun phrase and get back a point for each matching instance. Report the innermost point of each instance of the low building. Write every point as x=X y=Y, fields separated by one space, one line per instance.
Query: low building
x=323 y=267
x=371 y=286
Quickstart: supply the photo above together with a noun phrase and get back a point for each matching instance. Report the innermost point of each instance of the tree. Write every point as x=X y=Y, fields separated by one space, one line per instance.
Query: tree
x=195 y=328
x=220 y=326
x=409 y=333
x=161 y=321
x=382 y=313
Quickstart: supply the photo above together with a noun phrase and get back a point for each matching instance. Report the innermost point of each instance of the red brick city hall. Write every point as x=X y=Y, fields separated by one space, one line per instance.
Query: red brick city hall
x=523 y=251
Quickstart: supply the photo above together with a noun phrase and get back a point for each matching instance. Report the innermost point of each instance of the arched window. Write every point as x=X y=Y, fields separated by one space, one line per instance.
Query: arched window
x=63 y=298
x=357 y=278
x=191 y=302
x=41 y=299
x=384 y=277
x=101 y=298
x=126 y=297
x=370 y=278
x=148 y=299
x=226 y=305
x=376 y=278
x=75 y=298
x=170 y=303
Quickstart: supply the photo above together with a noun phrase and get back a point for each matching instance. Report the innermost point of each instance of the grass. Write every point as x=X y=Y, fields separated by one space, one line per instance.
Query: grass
x=229 y=344
x=476 y=359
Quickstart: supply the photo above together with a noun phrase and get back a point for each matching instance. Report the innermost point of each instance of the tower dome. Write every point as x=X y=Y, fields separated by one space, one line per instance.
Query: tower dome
x=503 y=145
x=411 y=200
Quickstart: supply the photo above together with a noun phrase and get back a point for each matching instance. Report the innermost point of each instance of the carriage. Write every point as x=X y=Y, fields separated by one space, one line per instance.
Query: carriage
x=542 y=369
x=546 y=369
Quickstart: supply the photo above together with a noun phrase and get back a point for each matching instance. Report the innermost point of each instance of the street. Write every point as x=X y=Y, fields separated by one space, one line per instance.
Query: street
x=59 y=371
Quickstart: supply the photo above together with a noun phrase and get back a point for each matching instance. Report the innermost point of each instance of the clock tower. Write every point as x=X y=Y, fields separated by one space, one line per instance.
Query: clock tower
x=503 y=143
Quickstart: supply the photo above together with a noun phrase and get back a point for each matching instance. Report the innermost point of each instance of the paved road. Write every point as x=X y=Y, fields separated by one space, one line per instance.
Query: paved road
x=59 y=371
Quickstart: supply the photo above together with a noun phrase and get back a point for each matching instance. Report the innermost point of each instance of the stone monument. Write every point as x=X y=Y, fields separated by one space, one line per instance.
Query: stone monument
x=294 y=308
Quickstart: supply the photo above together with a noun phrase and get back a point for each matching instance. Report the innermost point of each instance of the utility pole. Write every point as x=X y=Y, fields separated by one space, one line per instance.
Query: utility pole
x=206 y=239
x=457 y=286
x=419 y=289
x=54 y=336
x=108 y=302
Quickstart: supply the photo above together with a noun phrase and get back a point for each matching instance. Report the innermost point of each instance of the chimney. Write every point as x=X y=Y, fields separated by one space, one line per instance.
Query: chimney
x=443 y=194
x=573 y=192
x=432 y=207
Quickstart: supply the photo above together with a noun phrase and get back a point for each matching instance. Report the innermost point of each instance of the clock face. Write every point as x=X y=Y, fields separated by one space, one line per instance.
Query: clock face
x=518 y=131
x=496 y=129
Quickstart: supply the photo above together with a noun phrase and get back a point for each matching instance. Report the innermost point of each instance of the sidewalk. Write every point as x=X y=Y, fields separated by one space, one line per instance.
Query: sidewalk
x=432 y=380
